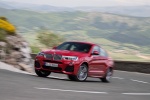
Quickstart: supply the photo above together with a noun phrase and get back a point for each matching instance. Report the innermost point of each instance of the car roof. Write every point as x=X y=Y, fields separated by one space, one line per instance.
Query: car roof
x=82 y=42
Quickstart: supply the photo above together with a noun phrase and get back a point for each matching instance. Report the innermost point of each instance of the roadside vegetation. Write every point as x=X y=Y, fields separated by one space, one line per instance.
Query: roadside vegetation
x=43 y=39
x=6 y=28
x=49 y=38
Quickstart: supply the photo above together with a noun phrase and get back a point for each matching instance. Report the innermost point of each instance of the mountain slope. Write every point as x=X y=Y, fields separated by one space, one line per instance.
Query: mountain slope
x=116 y=33
x=116 y=28
x=137 y=11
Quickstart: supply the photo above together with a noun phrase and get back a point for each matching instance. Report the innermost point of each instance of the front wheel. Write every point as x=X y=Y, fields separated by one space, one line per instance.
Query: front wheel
x=82 y=73
x=42 y=73
x=107 y=77
x=72 y=77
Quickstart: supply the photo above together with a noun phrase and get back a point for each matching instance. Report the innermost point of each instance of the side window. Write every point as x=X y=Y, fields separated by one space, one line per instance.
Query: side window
x=96 y=48
x=103 y=53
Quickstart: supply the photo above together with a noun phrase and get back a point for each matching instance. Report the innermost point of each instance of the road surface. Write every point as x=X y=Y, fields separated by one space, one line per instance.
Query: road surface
x=23 y=86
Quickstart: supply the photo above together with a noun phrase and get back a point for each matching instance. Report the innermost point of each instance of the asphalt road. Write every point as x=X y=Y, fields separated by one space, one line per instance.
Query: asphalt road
x=124 y=86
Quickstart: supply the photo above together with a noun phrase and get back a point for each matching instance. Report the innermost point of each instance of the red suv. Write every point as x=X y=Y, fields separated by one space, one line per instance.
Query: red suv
x=78 y=60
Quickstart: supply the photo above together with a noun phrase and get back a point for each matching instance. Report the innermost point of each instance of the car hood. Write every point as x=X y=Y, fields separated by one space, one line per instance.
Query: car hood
x=65 y=52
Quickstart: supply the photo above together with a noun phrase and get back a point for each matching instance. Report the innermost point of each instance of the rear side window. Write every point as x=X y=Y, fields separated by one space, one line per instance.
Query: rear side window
x=103 y=53
x=96 y=48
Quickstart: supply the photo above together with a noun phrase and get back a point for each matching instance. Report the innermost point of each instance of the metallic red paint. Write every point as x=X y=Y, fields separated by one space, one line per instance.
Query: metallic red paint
x=97 y=64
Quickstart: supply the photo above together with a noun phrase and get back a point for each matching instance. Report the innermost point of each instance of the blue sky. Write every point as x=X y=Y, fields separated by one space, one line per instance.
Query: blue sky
x=97 y=3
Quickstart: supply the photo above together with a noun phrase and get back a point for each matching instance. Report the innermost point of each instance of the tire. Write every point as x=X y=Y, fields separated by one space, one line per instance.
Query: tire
x=41 y=73
x=82 y=73
x=107 y=77
x=72 y=77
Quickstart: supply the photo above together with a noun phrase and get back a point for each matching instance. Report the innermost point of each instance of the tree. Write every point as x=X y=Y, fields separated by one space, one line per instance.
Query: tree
x=49 y=38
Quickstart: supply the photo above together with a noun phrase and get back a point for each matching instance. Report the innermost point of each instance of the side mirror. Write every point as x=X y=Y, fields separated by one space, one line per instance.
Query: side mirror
x=95 y=53
x=54 y=47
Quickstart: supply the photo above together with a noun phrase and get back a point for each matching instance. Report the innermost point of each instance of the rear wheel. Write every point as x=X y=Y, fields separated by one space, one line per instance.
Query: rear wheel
x=82 y=73
x=107 y=77
x=42 y=73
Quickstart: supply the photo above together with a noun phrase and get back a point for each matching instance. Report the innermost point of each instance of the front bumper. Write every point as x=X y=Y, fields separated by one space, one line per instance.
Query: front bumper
x=64 y=66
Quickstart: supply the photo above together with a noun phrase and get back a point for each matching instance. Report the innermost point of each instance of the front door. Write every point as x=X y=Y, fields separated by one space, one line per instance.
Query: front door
x=97 y=65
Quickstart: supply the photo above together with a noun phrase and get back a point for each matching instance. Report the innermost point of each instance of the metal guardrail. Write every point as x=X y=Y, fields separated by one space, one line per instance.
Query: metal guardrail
x=133 y=66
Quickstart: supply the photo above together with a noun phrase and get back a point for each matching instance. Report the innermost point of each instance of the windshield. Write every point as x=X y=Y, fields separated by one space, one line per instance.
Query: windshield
x=75 y=46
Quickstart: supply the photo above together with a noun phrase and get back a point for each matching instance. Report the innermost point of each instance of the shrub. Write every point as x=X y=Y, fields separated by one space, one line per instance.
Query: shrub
x=35 y=49
x=50 y=39
x=2 y=35
x=5 y=25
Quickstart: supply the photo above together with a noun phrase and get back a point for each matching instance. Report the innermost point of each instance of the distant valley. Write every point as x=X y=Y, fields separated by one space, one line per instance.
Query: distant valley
x=136 y=11
x=125 y=37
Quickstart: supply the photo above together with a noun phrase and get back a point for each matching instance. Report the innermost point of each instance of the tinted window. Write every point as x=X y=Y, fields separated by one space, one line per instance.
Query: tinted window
x=103 y=53
x=96 y=48
x=75 y=46
x=64 y=46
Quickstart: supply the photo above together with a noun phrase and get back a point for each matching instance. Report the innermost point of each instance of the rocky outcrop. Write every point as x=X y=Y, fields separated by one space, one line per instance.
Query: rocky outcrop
x=16 y=51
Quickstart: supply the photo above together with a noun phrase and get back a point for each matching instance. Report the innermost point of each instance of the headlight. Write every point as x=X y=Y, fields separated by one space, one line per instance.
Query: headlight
x=74 y=58
x=41 y=54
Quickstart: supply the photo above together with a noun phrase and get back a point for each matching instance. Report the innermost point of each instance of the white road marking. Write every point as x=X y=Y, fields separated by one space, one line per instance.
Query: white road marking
x=118 y=78
x=62 y=90
x=91 y=92
x=136 y=93
x=139 y=81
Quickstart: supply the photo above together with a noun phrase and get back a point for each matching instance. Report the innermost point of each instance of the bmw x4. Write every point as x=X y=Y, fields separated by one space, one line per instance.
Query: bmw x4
x=78 y=60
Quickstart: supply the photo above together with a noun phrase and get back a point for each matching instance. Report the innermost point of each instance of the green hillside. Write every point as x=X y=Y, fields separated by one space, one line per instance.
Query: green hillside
x=124 y=37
